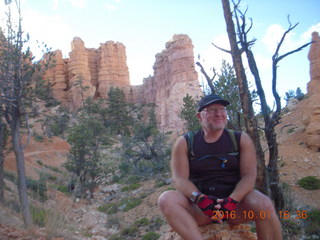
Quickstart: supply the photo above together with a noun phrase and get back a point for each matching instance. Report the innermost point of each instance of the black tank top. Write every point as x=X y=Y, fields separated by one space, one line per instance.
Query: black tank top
x=213 y=171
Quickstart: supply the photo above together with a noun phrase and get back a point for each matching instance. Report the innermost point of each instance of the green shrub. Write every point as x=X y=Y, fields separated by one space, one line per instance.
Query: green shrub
x=312 y=223
x=39 y=162
x=290 y=228
x=132 y=186
x=159 y=183
x=52 y=178
x=38 y=215
x=109 y=208
x=150 y=236
x=132 y=203
x=310 y=183
x=124 y=167
x=54 y=169
x=132 y=179
x=116 y=237
x=38 y=187
x=142 y=222
x=37 y=137
x=155 y=223
x=288 y=197
x=60 y=188
x=115 y=179
x=113 y=220
x=130 y=231
x=290 y=130
x=10 y=176
x=13 y=205
x=112 y=208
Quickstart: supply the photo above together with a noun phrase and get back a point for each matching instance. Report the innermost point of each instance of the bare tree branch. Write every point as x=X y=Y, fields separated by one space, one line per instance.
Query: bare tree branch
x=209 y=80
x=293 y=51
x=222 y=49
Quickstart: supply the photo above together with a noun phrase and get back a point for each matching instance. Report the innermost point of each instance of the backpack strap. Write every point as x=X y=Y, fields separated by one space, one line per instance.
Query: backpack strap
x=235 y=149
x=189 y=138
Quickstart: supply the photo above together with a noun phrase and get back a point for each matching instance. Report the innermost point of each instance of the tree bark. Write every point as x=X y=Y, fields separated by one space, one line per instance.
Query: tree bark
x=246 y=103
x=22 y=183
x=2 y=144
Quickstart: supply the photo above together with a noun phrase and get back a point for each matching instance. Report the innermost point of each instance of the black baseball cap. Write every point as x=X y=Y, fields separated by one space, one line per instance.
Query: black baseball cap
x=213 y=98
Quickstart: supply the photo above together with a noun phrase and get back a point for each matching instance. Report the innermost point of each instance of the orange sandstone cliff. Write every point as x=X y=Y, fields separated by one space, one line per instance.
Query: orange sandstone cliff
x=97 y=70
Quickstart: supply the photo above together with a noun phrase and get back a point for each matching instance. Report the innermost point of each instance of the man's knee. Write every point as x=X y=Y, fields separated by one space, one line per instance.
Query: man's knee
x=257 y=201
x=167 y=200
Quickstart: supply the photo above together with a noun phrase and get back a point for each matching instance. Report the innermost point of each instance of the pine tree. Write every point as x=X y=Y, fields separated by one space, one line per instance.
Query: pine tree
x=227 y=87
x=118 y=117
x=188 y=113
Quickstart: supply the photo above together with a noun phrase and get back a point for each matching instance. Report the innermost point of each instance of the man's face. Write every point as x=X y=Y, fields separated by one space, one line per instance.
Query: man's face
x=213 y=117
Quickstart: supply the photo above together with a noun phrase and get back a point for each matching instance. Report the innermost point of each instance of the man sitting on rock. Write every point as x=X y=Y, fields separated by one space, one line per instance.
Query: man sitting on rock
x=215 y=183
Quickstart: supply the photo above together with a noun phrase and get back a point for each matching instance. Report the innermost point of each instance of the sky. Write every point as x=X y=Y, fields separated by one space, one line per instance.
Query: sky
x=144 y=27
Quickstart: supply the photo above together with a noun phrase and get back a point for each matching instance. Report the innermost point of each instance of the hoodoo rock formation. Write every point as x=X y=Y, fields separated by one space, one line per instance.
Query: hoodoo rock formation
x=174 y=77
x=88 y=72
x=311 y=116
x=97 y=70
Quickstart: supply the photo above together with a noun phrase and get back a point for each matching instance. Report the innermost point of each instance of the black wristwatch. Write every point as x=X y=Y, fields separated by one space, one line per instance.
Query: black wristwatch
x=194 y=196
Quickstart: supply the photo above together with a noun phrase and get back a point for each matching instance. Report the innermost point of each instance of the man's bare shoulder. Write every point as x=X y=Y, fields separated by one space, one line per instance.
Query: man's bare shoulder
x=180 y=142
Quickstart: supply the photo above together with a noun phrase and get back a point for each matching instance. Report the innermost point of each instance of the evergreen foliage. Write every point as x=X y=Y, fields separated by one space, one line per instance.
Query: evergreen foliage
x=17 y=93
x=146 y=151
x=227 y=87
x=299 y=95
x=119 y=120
x=57 y=125
x=188 y=113
x=43 y=91
x=87 y=138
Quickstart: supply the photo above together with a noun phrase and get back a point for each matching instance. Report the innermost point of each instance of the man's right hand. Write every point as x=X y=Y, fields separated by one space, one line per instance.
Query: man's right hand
x=207 y=204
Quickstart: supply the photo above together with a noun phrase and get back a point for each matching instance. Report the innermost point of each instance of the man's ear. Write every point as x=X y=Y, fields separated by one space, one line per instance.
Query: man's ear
x=199 y=115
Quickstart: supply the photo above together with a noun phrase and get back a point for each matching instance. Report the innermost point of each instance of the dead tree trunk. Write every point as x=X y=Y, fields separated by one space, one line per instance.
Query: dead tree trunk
x=271 y=119
x=2 y=144
x=246 y=102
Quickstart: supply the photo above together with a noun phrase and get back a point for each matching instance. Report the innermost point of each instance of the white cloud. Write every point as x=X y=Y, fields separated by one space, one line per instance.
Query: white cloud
x=55 y=4
x=78 y=3
x=213 y=56
x=112 y=5
x=272 y=37
x=264 y=63
x=52 y=30
x=74 y=3
x=292 y=40
x=306 y=36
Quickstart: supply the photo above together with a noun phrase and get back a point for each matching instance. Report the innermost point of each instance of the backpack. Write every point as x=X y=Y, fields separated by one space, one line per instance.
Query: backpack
x=234 y=151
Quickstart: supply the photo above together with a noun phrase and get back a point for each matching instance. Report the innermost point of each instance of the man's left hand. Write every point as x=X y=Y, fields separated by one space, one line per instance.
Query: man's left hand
x=228 y=204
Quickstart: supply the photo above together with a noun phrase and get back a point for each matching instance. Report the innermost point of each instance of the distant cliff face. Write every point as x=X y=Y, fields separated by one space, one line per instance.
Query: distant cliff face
x=174 y=77
x=97 y=70
x=311 y=116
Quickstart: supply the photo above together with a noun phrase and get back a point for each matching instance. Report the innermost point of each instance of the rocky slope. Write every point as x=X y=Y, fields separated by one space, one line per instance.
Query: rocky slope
x=296 y=161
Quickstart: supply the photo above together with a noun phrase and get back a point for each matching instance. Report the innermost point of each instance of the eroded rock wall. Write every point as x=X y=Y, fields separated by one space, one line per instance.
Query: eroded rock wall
x=311 y=115
x=88 y=72
x=80 y=85
x=174 y=77
x=112 y=68
x=92 y=72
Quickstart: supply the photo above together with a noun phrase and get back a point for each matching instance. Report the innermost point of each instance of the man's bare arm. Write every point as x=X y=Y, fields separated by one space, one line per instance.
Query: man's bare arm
x=180 y=168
